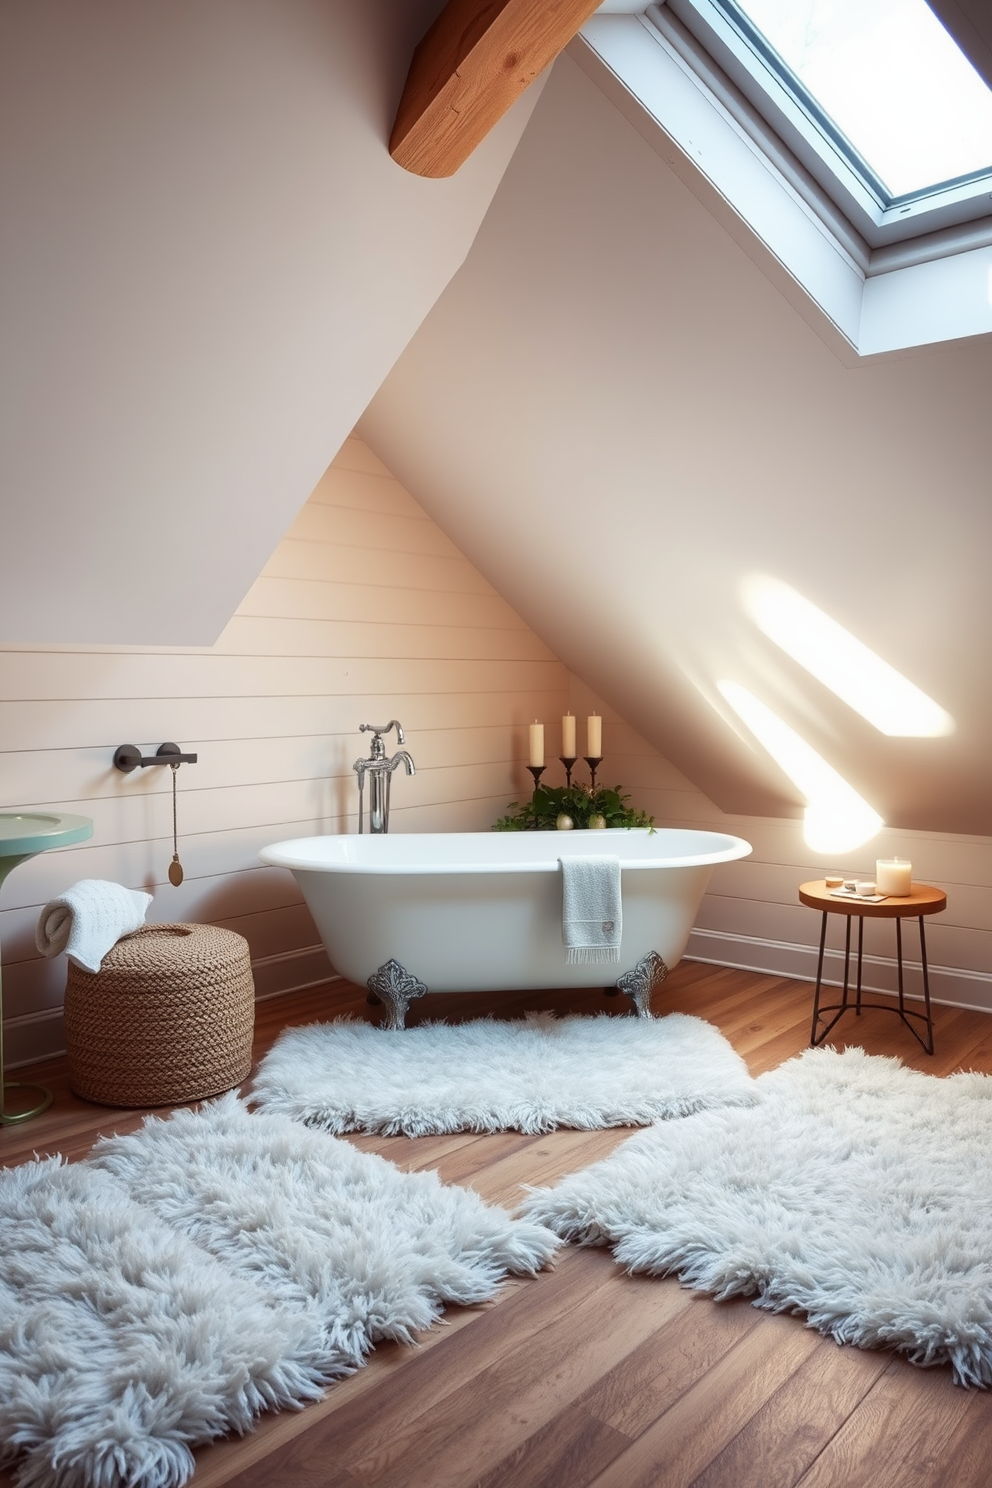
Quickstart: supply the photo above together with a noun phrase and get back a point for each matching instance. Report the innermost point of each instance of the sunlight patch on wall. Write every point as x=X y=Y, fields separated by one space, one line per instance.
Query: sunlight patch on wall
x=835 y=657
x=837 y=819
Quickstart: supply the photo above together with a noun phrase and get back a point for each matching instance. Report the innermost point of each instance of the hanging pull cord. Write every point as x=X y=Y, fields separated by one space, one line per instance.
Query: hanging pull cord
x=175 y=867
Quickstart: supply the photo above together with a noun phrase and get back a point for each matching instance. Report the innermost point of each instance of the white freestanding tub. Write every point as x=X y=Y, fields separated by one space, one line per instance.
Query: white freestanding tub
x=481 y=911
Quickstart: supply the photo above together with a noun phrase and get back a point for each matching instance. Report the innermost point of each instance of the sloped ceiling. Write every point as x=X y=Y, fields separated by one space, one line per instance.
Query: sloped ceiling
x=618 y=418
x=208 y=263
x=970 y=23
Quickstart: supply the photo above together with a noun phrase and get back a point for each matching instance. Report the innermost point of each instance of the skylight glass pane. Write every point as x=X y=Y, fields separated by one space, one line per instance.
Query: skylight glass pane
x=891 y=79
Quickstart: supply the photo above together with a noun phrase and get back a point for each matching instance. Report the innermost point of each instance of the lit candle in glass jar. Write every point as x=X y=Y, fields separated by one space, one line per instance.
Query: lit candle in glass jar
x=894 y=876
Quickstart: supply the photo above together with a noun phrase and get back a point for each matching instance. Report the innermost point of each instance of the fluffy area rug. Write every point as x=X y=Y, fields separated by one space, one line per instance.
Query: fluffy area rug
x=206 y=1268
x=858 y=1193
x=529 y=1075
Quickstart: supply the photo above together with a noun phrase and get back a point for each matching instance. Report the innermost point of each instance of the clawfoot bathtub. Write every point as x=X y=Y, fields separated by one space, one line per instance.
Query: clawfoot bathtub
x=481 y=911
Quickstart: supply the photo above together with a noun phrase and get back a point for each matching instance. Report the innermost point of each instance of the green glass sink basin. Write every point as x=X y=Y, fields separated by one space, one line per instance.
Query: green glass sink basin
x=24 y=833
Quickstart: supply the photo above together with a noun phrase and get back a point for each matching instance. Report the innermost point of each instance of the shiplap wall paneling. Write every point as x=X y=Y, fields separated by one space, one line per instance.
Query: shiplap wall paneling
x=365 y=612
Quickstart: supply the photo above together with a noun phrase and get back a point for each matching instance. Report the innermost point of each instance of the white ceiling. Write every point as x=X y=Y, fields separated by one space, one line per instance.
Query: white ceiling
x=618 y=417
x=209 y=262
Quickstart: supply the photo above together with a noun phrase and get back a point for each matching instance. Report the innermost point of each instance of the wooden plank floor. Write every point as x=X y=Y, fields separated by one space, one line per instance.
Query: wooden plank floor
x=584 y=1377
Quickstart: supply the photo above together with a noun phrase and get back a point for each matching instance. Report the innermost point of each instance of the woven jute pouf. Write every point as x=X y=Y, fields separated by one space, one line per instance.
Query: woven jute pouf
x=167 y=1019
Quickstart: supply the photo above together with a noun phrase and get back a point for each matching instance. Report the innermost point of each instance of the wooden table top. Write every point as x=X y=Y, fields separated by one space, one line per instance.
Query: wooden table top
x=922 y=899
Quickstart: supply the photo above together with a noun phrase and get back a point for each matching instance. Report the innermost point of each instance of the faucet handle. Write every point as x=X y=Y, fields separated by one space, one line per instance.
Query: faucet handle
x=383 y=728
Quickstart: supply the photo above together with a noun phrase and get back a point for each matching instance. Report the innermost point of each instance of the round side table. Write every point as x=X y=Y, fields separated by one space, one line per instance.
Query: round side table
x=920 y=901
x=24 y=834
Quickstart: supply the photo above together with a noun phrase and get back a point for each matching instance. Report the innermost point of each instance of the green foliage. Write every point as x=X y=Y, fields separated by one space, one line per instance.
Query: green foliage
x=548 y=802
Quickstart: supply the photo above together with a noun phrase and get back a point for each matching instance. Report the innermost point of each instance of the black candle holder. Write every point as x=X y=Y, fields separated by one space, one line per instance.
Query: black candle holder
x=537 y=771
x=568 y=762
x=593 y=761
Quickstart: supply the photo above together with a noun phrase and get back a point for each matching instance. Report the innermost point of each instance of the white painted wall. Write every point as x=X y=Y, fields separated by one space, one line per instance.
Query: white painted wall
x=208 y=262
x=364 y=612
x=618 y=418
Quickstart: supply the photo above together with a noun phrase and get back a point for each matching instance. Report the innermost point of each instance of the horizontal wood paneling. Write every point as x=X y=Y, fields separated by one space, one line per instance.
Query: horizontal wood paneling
x=367 y=491
x=356 y=457
x=365 y=612
x=327 y=801
x=105 y=723
x=28 y=774
x=304 y=560
x=384 y=532
x=315 y=599
x=251 y=636
x=212 y=674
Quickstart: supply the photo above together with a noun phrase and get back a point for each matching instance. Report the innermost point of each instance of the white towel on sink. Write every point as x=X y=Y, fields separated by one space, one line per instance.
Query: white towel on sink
x=591 y=920
x=88 y=919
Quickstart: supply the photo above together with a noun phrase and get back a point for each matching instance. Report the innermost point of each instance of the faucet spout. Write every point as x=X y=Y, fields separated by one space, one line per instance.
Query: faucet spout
x=401 y=757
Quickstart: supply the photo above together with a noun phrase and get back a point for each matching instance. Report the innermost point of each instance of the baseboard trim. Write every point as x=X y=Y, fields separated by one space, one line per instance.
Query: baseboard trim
x=291 y=971
x=33 y=1037
x=951 y=986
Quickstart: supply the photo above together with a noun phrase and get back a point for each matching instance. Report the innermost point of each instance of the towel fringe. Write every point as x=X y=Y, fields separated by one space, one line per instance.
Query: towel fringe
x=577 y=955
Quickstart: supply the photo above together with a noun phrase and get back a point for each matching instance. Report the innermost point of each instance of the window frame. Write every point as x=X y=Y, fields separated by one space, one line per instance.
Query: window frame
x=782 y=102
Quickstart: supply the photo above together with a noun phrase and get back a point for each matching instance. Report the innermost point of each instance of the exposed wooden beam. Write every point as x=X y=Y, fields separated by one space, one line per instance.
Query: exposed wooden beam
x=473 y=63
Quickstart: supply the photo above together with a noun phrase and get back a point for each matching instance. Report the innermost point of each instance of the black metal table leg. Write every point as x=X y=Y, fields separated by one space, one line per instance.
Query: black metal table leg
x=847 y=960
x=819 y=980
x=837 y=1009
x=928 y=1046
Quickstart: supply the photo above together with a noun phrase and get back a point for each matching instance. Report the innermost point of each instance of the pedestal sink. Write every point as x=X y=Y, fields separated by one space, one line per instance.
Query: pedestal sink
x=24 y=834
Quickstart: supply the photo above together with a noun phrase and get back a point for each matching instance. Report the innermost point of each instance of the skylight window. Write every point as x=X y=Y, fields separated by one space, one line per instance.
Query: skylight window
x=892 y=81
x=863 y=169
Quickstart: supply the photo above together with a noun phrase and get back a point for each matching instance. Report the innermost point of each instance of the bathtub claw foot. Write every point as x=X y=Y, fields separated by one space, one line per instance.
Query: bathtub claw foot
x=396 y=987
x=639 y=984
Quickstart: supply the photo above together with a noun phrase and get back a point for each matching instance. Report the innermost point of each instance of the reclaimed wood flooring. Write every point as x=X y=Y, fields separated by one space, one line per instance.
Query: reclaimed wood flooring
x=585 y=1377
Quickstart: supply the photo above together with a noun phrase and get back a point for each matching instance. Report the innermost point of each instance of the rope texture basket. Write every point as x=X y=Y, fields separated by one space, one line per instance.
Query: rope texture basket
x=167 y=1019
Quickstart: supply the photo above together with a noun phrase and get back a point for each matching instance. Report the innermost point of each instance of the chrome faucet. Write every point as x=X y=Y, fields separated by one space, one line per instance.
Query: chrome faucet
x=380 y=772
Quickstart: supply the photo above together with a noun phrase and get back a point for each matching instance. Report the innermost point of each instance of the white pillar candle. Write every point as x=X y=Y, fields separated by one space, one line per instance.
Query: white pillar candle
x=537 y=744
x=594 y=736
x=568 y=736
x=894 y=876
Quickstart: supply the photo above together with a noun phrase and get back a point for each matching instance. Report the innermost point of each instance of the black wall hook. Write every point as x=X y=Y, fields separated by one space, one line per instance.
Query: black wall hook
x=127 y=757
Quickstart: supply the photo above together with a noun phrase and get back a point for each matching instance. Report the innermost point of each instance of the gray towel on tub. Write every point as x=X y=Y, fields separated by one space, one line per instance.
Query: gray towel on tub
x=591 y=921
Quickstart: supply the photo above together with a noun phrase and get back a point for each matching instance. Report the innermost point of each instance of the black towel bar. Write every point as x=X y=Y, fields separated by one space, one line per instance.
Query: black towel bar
x=127 y=757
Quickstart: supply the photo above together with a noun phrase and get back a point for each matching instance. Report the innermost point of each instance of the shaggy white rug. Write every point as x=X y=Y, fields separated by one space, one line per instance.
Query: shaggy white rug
x=530 y=1075
x=209 y=1267
x=857 y=1192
